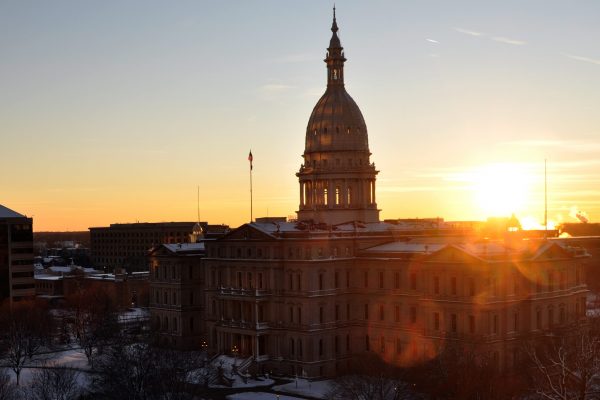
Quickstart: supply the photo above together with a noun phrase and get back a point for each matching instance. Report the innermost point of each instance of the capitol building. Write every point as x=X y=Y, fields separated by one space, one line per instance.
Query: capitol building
x=309 y=296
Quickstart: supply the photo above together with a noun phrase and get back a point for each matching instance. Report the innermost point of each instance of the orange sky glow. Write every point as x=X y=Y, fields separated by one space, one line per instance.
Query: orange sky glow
x=111 y=112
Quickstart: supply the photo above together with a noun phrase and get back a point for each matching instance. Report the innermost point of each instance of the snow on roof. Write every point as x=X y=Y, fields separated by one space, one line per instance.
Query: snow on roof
x=406 y=247
x=47 y=277
x=184 y=247
x=67 y=269
x=6 y=212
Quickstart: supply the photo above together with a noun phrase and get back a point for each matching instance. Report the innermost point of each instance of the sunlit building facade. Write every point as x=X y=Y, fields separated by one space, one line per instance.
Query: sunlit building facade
x=306 y=297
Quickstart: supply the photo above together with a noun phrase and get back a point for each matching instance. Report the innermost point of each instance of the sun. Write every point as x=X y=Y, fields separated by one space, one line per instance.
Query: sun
x=502 y=189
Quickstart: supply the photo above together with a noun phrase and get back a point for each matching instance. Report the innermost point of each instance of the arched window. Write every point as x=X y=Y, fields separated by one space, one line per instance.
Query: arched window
x=325 y=196
x=349 y=196
x=337 y=195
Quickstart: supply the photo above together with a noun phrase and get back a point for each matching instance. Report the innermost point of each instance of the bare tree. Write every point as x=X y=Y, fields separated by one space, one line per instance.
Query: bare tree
x=95 y=319
x=566 y=366
x=55 y=383
x=140 y=371
x=7 y=389
x=370 y=378
x=27 y=326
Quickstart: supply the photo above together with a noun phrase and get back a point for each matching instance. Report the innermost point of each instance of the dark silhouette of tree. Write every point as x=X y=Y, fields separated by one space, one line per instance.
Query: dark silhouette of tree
x=95 y=322
x=566 y=365
x=7 y=389
x=140 y=371
x=54 y=383
x=369 y=378
x=26 y=327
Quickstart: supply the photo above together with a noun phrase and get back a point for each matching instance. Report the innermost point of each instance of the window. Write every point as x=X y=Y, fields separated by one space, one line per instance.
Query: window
x=538 y=319
x=349 y=196
x=471 y=324
x=436 y=321
x=320 y=315
x=382 y=344
x=291 y=314
x=495 y=323
x=292 y=347
x=516 y=322
x=366 y=278
x=320 y=281
x=453 y=285
x=381 y=312
x=347 y=342
x=436 y=285
x=550 y=317
x=336 y=345
x=398 y=346
x=471 y=287
x=367 y=343
x=336 y=279
x=413 y=281
x=550 y=281
x=381 y=276
x=299 y=315
x=347 y=278
x=299 y=282
x=366 y=311
x=397 y=280
x=453 y=323
x=413 y=315
x=397 y=313
x=325 y=196
x=337 y=195
x=321 y=347
x=337 y=312
x=348 y=311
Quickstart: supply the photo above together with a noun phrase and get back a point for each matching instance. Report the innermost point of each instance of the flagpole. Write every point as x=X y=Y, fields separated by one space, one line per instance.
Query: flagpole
x=250 y=158
x=545 y=201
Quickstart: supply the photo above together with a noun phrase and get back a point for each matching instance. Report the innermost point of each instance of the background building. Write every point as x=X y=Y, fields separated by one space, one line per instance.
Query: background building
x=127 y=245
x=16 y=256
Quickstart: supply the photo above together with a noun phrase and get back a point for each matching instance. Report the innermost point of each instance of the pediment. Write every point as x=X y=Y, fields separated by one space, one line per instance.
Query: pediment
x=551 y=251
x=246 y=232
x=452 y=254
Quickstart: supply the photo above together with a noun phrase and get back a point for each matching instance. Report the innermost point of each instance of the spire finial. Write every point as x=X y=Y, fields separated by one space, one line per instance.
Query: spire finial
x=334 y=27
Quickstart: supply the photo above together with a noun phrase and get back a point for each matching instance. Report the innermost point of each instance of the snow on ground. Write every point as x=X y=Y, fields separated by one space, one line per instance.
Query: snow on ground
x=73 y=358
x=259 y=396
x=305 y=387
x=227 y=363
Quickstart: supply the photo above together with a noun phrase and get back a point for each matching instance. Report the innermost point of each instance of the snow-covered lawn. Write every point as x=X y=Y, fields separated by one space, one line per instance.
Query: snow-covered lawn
x=227 y=363
x=304 y=387
x=259 y=396
x=73 y=358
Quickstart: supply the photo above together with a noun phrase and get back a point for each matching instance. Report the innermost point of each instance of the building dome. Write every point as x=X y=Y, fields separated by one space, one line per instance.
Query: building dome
x=336 y=123
x=337 y=177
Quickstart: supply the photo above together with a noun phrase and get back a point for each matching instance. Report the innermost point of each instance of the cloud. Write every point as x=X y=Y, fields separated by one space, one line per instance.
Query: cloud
x=584 y=59
x=432 y=41
x=275 y=87
x=506 y=40
x=579 y=146
x=296 y=58
x=468 y=32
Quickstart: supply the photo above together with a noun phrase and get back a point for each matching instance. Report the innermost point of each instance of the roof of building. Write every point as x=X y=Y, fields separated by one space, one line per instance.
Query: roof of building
x=184 y=247
x=6 y=212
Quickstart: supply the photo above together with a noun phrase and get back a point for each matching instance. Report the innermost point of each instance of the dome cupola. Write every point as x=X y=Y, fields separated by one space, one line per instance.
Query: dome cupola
x=337 y=179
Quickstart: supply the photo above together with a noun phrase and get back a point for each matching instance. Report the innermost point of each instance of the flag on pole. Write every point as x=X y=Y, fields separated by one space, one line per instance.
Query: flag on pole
x=250 y=158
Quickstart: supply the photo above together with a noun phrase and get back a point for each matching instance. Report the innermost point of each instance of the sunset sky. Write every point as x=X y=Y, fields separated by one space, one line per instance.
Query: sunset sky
x=115 y=111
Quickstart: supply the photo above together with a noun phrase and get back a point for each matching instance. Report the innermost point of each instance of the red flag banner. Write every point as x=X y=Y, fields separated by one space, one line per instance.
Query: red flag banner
x=250 y=158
